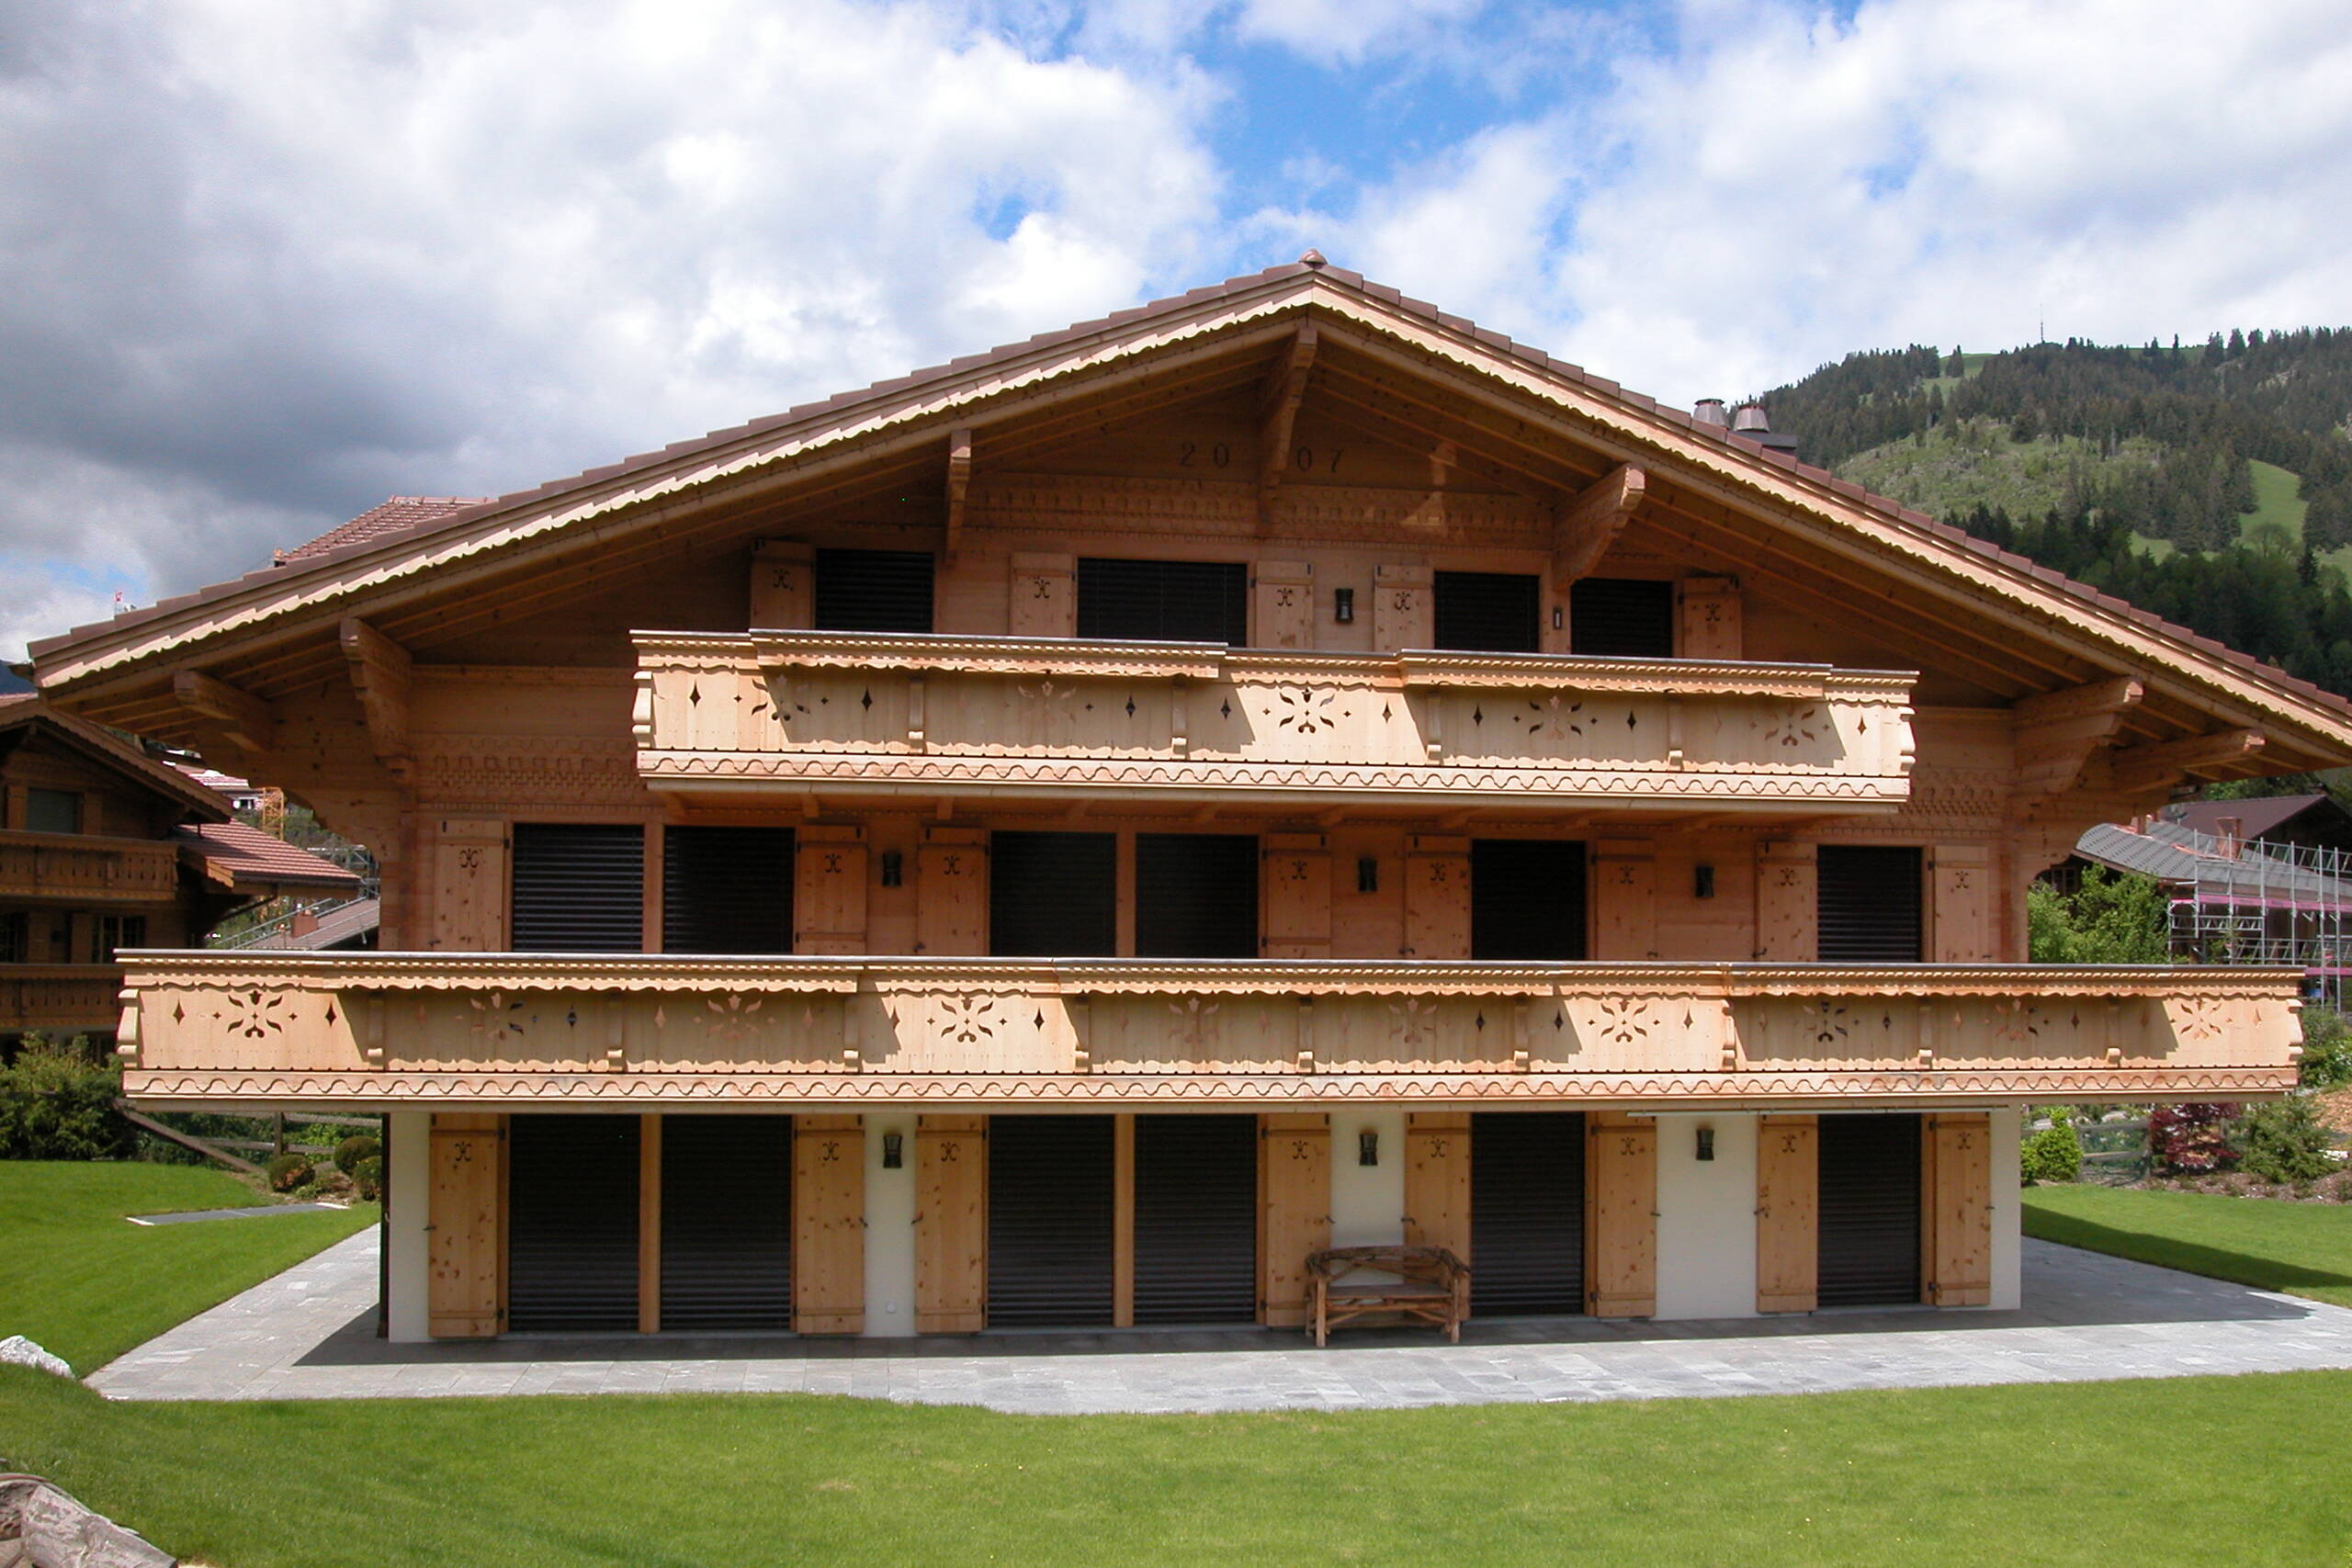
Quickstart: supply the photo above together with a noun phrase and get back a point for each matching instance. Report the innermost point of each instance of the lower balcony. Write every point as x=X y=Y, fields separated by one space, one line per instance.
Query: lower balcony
x=60 y=999
x=386 y=1030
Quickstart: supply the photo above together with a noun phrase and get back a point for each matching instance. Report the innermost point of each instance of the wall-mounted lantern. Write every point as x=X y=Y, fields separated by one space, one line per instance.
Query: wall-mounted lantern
x=1344 y=605
x=1706 y=1143
x=894 y=1151
x=1367 y=875
x=1367 y=1147
x=894 y=869
x=1702 y=882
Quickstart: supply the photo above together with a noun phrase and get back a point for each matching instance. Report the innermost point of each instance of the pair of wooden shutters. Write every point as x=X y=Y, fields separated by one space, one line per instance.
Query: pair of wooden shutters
x=1873 y=1210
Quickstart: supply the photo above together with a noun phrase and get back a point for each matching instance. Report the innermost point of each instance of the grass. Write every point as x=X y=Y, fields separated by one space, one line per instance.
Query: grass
x=2305 y=1249
x=2181 y=1472
x=87 y=1285
x=1960 y=464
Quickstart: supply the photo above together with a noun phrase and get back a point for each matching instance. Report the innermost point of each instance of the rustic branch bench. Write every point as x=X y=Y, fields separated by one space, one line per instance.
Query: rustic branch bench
x=1432 y=1286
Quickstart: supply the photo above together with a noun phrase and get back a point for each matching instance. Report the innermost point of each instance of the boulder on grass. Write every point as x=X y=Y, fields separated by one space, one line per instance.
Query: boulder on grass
x=41 y=1527
x=19 y=1351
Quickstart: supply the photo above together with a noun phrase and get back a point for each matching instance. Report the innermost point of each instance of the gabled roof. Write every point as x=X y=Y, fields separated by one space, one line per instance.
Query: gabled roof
x=2183 y=859
x=26 y=710
x=398 y=515
x=116 y=667
x=246 y=856
x=2256 y=817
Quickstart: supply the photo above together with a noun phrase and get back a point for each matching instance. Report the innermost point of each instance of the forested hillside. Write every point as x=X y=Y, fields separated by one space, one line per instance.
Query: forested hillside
x=2210 y=483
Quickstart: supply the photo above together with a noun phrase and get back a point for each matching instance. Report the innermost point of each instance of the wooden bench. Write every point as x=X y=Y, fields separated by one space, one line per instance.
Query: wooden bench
x=1431 y=1286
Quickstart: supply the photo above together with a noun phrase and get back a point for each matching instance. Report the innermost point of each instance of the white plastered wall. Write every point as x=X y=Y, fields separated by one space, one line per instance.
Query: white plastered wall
x=889 y=1230
x=1367 y=1200
x=411 y=1135
x=2008 y=1212
x=1706 y=1217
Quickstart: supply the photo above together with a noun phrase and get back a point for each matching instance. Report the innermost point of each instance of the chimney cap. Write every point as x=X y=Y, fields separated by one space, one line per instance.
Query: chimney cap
x=1709 y=411
x=1750 y=417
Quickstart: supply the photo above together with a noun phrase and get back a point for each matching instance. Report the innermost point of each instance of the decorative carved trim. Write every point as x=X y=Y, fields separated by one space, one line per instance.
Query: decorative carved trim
x=1099 y=504
x=499 y=772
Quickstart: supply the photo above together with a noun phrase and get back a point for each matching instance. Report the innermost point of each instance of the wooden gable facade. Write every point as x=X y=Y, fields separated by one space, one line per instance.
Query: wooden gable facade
x=1157 y=761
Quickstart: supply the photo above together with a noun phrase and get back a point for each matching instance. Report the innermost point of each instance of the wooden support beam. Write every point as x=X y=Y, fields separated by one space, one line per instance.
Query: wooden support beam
x=1278 y=414
x=243 y=719
x=959 y=485
x=2145 y=767
x=2057 y=732
x=379 y=675
x=1584 y=528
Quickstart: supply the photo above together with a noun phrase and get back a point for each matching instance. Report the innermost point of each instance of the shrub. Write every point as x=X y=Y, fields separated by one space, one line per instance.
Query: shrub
x=367 y=1178
x=2285 y=1141
x=2192 y=1139
x=352 y=1150
x=57 y=1102
x=2055 y=1153
x=288 y=1171
x=2327 y=1049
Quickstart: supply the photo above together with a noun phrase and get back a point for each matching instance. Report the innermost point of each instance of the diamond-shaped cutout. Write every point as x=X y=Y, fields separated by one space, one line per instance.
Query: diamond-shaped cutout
x=1225 y=707
x=1131 y=707
x=1039 y=1021
x=694 y=694
x=1478 y=715
x=867 y=701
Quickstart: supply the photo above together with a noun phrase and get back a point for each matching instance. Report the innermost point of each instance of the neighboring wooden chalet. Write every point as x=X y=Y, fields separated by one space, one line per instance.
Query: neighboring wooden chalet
x=104 y=848
x=1058 y=838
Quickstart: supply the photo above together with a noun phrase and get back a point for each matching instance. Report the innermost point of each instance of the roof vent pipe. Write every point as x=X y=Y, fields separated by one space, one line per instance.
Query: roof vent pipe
x=1710 y=410
x=2232 y=831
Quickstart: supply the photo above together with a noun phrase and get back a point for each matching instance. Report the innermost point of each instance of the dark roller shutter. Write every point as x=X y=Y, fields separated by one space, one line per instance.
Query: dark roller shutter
x=1492 y=611
x=1050 y=1222
x=1163 y=601
x=579 y=888
x=1196 y=1219
x=1526 y=900
x=726 y=1224
x=1526 y=1213
x=1053 y=895
x=571 y=1224
x=727 y=890
x=1621 y=616
x=1869 y=904
x=1869 y=1210
x=874 y=591
x=1196 y=896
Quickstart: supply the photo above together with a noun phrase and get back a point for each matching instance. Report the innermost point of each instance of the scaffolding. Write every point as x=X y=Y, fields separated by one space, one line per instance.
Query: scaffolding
x=2262 y=903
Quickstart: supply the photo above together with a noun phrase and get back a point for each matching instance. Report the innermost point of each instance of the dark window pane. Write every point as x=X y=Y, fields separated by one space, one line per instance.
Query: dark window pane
x=1526 y=900
x=1196 y=896
x=571 y=1224
x=1488 y=612
x=727 y=890
x=1869 y=1227
x=1526 y=1213
x=53 y=811
x=1196 y=1219
x=874 y=591
x=726 y=1224
x=1053 y=895
x=1164 y=601
x=1622 y=617
x=579 y=888
x=1869 y=904
x=1051 y=1213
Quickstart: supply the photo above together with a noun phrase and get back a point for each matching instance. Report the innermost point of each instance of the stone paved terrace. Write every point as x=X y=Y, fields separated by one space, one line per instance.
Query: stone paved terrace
x=308 y=1334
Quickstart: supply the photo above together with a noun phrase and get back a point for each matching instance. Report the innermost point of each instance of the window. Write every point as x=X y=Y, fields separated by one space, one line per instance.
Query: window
x=1526 y=900
x=16 y=938
x=579 y=888
x=111 y=933
x=1868 y=904
x=1488 y=612
x=53 y=811
x=1622 y=617
x=1164 y=601
x=1054 y=895
x=873 y=590
x=727 y=890
x=1196 y=896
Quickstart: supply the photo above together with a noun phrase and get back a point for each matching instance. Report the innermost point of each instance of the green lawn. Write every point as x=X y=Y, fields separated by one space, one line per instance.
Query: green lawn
x=2305 y=1248
x=86 y=1284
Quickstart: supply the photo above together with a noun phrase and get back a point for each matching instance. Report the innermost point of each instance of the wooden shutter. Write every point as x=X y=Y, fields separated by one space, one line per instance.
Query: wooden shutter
x=1045 y=595
x=1622 y=617
x=828 y=1223
x=952 y=888
x=1285 y=605
x=1786 y=902
x=1621 y=1217
x=1788 y=1210
x=1437 y=1180
x=1437 y=896
x=469 y=889
x=1404 y=610
x=1963 y=912
x=1296 y=1212
x=828 y=891
x=951 y=1224
x=464 y=1289
x=1296 y=886
x=1625 y=903
x=1869 y=904
x=1710 y=616
x=782 y=585
x=1958 y=1186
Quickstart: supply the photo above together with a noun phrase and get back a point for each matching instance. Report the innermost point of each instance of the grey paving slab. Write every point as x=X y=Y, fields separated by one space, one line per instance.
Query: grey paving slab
x=191 y=1216
x=310 y=1334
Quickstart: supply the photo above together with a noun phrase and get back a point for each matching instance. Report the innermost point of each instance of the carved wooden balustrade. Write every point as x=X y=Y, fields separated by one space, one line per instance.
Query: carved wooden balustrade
x=74 y=865
x=220 y=1027
x=856 y=713
x=59 y=996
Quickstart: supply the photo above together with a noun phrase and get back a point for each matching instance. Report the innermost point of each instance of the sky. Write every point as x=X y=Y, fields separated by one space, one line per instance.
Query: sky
x=263 y=263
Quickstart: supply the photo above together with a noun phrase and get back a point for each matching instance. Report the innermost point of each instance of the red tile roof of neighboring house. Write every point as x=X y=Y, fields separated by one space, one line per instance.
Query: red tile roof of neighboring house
x=396 y=515
x=248 y=855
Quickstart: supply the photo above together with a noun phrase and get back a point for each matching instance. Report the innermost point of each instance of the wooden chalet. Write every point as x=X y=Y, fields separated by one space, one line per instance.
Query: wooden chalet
x=1058 y=838
x=103 y=848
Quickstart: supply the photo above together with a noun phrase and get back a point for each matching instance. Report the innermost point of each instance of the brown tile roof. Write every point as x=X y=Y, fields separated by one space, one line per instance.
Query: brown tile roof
x=399 y=514
x=1116 y=323
x=246 y=854
x=2255 y=818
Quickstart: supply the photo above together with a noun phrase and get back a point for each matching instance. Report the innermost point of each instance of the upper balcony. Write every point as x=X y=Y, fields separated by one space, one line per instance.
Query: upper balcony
x=61 y=998
x=87 y=869
x=727 y=718
x=628 y=1028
